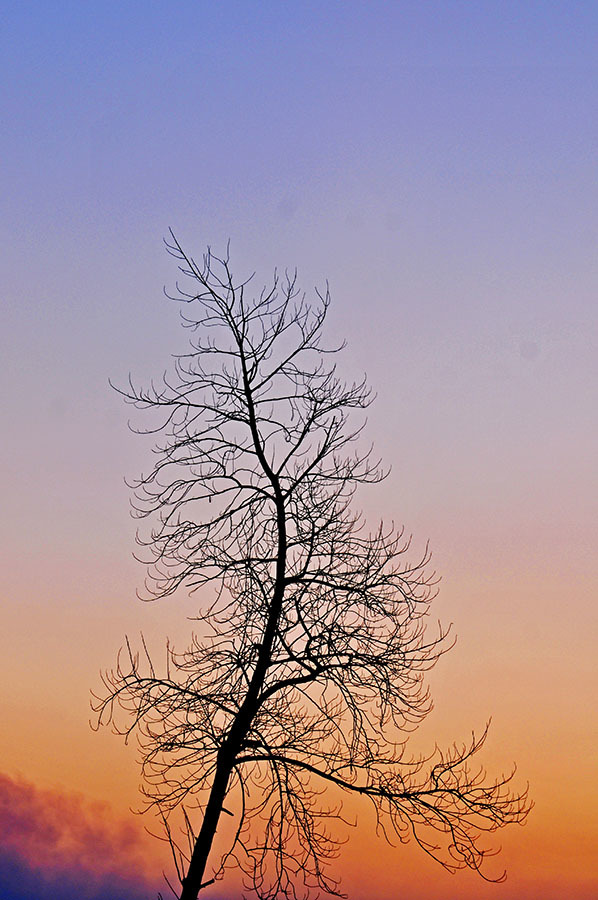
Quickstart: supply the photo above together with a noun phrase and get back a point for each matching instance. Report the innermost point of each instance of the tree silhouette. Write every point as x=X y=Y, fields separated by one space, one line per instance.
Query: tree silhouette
x=306 y=675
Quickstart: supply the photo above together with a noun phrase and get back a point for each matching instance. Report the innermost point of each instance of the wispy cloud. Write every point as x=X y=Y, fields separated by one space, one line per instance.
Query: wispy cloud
x=55 y=846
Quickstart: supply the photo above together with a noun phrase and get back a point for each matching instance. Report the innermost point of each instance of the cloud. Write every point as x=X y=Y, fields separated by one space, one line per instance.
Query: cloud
x=56 y=846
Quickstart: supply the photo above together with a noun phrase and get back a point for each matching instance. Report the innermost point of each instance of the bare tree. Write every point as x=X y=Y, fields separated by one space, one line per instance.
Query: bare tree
x=307 y=673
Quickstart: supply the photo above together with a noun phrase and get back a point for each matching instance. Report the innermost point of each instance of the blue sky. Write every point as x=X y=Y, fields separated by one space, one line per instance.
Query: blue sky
x=436 y=162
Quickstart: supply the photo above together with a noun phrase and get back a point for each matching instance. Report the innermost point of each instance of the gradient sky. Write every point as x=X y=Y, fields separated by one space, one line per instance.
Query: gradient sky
x=436 y=162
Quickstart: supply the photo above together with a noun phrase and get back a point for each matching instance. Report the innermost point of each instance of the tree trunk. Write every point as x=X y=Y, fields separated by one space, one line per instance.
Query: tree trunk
x=193 y=880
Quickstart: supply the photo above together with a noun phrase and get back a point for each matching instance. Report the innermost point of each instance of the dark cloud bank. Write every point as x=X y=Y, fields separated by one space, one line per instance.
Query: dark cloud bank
x=57 y=847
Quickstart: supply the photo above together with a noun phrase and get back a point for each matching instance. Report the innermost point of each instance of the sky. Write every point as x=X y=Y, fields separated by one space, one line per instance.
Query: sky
x=435 y=163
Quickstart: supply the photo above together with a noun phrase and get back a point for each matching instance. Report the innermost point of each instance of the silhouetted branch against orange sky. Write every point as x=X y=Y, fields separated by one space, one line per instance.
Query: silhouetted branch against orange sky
x=306 y=675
